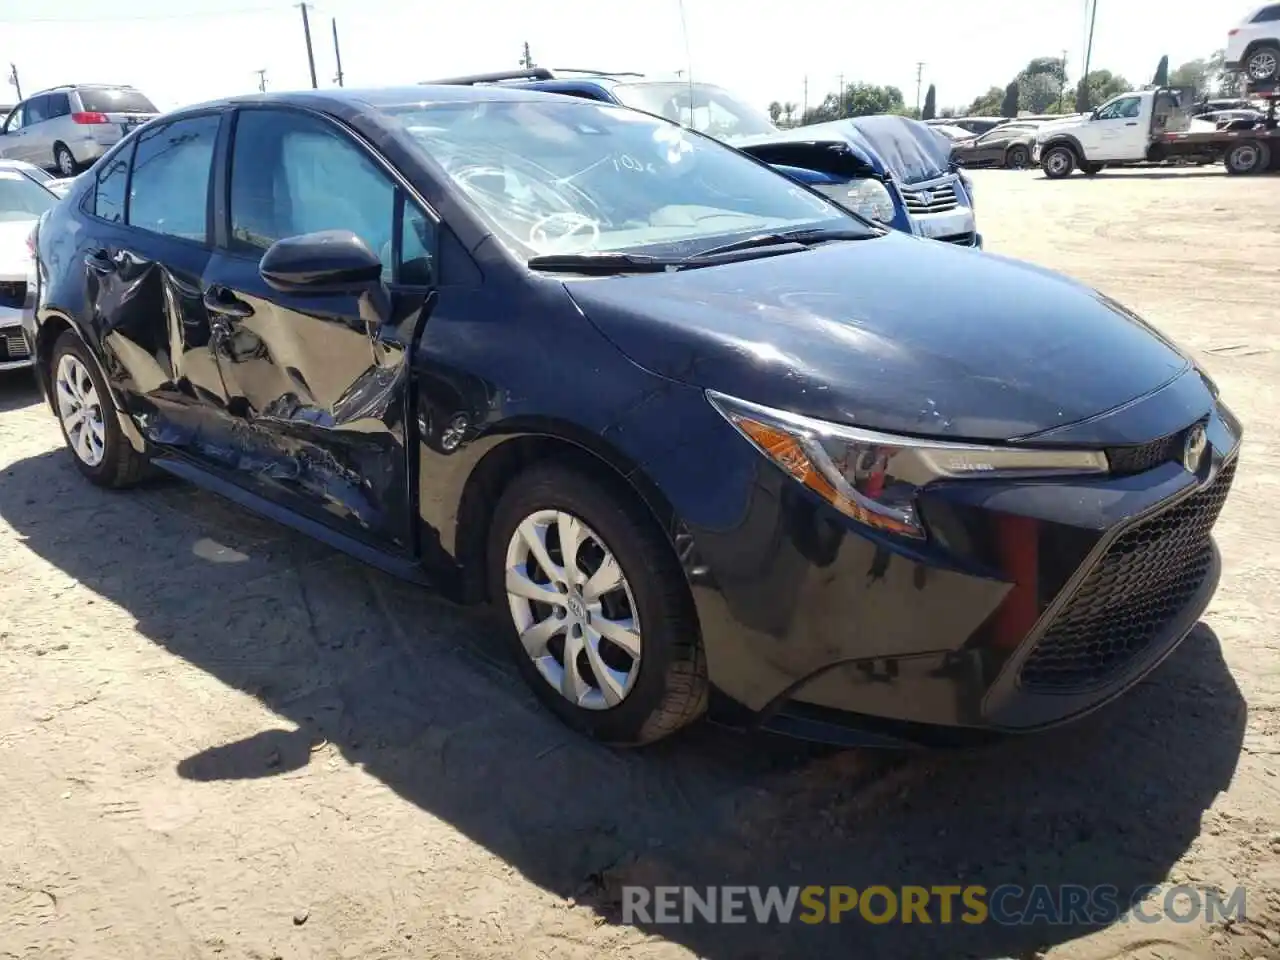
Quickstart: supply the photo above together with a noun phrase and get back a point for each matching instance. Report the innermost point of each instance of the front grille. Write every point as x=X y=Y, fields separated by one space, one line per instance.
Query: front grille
x=1131 y=596
x=13 y=293
x=1129 y=460
x=922 y=200
x=13 y=346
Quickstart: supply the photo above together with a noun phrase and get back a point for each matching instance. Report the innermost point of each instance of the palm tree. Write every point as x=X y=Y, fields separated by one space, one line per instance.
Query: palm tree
x=775 y=111
x=789 y=111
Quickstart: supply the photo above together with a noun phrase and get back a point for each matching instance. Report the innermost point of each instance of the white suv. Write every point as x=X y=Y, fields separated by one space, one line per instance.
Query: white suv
x=1254 y=46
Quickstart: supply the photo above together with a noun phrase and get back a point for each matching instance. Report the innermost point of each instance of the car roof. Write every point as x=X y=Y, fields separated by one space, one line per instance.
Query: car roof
x=347 y=97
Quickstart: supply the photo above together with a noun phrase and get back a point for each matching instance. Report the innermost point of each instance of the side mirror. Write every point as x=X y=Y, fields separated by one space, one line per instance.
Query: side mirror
x=330 y=262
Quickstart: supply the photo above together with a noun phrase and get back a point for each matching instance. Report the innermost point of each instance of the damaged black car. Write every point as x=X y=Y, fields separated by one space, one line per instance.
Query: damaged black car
x=709 y=442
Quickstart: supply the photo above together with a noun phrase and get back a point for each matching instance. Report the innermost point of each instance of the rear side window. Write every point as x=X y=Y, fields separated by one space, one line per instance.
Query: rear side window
x=113 y=100
x=169 y=189
x=59 y=105
x=1268 y=14
x=108 y=197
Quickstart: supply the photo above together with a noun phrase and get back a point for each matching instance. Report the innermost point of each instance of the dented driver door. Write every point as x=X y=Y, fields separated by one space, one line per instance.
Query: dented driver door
x=317 y=390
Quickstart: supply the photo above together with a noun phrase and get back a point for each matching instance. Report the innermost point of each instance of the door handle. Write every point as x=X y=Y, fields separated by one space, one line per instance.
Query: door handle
x=1132 y=123
x=219 y=300
x=100 y=261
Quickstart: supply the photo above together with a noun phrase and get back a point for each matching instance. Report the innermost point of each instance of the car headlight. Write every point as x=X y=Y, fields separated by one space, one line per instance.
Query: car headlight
x=875 y=478
x=867 y=198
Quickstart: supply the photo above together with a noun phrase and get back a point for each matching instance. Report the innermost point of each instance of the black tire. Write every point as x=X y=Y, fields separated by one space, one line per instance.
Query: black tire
x=1018 y=157
x=121 y=466
x=670 y=689
x=1246 y=157
x=1263 y=63
x=1090 y=169
x=64 y=160
x=1058 y=162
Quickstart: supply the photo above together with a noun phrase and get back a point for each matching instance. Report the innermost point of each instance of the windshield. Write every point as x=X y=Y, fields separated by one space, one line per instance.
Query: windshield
x=114 y=100
x=706 y=108
x=572 y=176
x=22 y=199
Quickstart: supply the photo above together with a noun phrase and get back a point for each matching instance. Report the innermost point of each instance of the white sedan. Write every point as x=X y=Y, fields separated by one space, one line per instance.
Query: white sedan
x=23 y=199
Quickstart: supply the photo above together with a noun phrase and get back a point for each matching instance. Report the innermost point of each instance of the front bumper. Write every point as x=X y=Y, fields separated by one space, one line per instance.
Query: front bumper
x=15 y=347
x=1031 y=605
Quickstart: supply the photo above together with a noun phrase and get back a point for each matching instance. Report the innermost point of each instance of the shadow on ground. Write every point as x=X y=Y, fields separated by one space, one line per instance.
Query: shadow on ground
x=417 y=692
x=17 y=390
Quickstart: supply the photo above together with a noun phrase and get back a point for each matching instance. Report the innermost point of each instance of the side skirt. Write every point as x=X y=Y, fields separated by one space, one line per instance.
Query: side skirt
x=397 y=566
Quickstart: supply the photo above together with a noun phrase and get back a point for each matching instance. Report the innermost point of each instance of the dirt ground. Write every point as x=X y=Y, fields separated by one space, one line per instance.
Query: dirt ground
x=220 y=740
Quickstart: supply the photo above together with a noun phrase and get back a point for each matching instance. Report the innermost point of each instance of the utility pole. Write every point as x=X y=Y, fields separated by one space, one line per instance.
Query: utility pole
x=13 y=79
x=527 y=60
x=262 y=80
x=840 y=98
x=337 y=54
x=1088 y=53
x=919 y=77
x=311 y=57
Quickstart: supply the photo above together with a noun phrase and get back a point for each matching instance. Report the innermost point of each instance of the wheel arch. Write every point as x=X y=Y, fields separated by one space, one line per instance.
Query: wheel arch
x=1255 y=45
x=1064 y=140
x=520 y=446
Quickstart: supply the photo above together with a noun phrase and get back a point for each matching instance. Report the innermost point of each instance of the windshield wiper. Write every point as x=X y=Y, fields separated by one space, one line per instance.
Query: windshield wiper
x=602 y=263
x=804 y=238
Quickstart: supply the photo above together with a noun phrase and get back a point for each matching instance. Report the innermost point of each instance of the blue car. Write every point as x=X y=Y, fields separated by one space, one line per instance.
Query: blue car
x=887 y=168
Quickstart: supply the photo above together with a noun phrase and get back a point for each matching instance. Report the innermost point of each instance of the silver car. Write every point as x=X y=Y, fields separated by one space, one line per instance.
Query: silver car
x=22 y=201
x=67 y=128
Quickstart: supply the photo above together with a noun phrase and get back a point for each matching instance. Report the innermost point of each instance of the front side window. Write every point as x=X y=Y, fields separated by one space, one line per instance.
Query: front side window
x=293 y=174
x=22 y=199
x=169 y=187
x=14 y=120
x=37 y=108
x=1124 y=108
x=706 y=108
x=570 y=176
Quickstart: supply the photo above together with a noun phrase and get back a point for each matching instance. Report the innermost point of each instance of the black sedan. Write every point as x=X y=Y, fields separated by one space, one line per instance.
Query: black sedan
x=706 y=440
x=1008 y=146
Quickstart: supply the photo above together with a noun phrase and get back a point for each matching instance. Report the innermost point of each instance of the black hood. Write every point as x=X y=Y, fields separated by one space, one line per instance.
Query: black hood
x=906 y=149
x=895 y=333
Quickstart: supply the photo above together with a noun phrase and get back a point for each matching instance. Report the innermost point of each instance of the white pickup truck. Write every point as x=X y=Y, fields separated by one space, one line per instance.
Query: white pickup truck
x=1151 y=126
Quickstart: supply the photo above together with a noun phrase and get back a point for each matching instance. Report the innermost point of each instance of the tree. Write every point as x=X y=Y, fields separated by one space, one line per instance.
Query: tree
x=789 y=111
x=930 y=103
x=1099 y=87
x=864 y=99
x=775 y=112
x=1038 y=93
x=1161 y=79
x=1192 y=75
x=988 y=104
x=1009 y=105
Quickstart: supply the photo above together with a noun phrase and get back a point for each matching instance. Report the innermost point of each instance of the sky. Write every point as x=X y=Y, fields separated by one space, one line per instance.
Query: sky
x=184 y=51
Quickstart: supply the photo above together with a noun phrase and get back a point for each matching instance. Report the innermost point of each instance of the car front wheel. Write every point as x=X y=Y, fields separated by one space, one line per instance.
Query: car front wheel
x=1058 y=162
x=602 y=624
x=87 y=417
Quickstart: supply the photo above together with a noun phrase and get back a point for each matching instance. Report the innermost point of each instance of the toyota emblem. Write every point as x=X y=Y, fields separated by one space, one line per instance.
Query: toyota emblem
x=1193 y=449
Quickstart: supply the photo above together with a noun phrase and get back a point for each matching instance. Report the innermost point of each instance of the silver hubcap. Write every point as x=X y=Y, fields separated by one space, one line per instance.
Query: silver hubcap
x=573 y=609
x=80 y=410
x=65 y=164
x=1245 y=158
x=1262 y=66
x=1057 y=163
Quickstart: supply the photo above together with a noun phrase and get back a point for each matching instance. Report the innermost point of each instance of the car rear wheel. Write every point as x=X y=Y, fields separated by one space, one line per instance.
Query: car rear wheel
x=87 y=417
x=1018 y=158
x=1247 y=157
x=63 y=160
x=1264 y=63
x=602 y=624
x=1058 y=162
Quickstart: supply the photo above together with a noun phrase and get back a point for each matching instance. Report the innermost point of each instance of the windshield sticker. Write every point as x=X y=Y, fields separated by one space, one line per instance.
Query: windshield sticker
x=673 y=144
